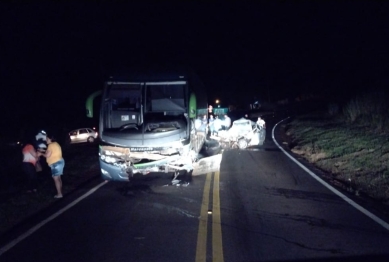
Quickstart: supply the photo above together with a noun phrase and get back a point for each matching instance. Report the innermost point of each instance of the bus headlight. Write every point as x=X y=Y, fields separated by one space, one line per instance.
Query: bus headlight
x=108 y=159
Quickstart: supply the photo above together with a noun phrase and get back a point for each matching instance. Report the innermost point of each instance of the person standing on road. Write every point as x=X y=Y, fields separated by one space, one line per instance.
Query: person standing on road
x=261 y=123
x=197 y=123
x=211 y=124
x=41 y=140
x=262 y=129
x=227 y=122
x=204 y=123
x=30 y=158
x=56 y=163
x=217 y=124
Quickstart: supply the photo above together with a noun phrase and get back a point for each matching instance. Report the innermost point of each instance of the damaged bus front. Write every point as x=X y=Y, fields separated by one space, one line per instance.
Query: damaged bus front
x=147 y=124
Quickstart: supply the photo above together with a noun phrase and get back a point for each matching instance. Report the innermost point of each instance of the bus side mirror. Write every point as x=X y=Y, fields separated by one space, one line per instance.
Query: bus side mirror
x=89 y=103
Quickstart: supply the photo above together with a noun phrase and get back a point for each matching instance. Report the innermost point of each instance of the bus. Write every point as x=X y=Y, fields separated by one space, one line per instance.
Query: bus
x=147 y=122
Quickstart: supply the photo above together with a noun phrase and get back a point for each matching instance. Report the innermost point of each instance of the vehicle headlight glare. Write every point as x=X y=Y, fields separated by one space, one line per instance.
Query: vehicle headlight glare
x=110 y=159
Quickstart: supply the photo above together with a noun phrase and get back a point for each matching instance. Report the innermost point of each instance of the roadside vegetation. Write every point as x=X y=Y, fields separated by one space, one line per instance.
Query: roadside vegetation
x=349 y=141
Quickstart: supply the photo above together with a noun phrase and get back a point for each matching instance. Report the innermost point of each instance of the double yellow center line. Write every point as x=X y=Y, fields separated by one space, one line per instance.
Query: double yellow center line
x=214 y=214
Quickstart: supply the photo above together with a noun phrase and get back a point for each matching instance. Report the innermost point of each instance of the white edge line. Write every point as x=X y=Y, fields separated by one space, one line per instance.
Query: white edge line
x=345 y=198
x=43 y=222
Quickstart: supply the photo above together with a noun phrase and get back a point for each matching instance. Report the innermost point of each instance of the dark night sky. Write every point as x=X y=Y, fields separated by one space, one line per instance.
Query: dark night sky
x=53 y=55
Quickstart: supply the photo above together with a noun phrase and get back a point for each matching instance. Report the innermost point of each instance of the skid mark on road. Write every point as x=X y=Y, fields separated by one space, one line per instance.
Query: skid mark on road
x=174 y=209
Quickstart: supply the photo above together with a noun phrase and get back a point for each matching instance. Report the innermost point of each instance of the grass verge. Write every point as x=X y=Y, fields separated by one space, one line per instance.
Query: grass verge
x=352 y=153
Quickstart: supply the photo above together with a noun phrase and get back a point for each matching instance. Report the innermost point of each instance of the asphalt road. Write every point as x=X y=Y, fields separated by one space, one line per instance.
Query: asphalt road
x=259 y=206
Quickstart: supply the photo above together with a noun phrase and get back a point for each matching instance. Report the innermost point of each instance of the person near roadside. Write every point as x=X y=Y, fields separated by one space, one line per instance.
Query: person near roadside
x=56 y=163
x=217 y=124
x=198 y=123
x=211 y=124
x=41 y=140
x=261 y=123
x=262 y=128
x=30 y=158
x=227 y=122
x=204 y=123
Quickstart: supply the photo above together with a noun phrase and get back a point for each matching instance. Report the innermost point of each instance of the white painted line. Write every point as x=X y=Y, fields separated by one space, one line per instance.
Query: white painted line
x=42 y=223
x=345 y=198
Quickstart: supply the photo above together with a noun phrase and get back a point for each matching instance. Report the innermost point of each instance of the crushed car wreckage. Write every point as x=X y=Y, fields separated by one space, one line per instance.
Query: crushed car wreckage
x=242 y=134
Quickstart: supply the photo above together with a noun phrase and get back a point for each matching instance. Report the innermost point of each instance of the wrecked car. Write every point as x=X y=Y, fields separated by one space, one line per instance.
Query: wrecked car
x=242 y=134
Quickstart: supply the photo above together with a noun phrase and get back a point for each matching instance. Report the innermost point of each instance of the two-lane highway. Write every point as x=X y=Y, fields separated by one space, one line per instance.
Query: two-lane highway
x=274 y=211
x=260 y=206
